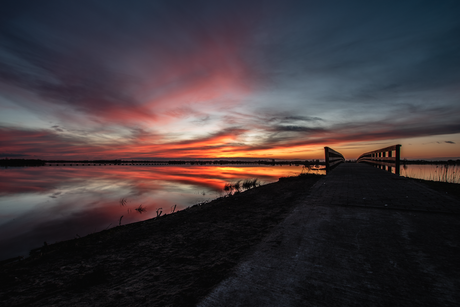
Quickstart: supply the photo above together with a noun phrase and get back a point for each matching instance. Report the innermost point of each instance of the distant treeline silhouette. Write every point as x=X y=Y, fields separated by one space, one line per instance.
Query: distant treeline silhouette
x=37 y=162
x=22 y=162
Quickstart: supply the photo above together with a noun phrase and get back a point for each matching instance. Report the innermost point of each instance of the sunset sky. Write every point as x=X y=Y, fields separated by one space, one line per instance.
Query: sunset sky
x=212 y=79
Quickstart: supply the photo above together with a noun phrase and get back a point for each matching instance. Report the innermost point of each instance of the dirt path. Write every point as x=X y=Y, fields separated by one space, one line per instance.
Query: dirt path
x=174 y=260
x=362 y=237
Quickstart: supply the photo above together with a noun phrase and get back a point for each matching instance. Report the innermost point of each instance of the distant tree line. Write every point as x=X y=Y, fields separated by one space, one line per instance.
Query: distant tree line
x=37 y=162
x=21 y=162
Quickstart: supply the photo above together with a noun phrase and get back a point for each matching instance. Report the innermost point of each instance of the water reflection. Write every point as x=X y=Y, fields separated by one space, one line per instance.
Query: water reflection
x=50 y=203
x=441 y=172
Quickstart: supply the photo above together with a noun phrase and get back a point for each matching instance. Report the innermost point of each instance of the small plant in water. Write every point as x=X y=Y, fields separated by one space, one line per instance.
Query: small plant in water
x=141 y=209
x=173 y=208
x=123 y=202
x=239 y=187
x=305 y=170
x=228 y=188
x=247 y=184
x=159 y=212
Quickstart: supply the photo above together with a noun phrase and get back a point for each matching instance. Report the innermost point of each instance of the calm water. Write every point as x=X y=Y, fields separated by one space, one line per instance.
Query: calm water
x=53 y=203
x=445 y=173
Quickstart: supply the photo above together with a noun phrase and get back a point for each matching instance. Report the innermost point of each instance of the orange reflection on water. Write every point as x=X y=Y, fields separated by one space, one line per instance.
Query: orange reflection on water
x=440 y=172
x=53 y=203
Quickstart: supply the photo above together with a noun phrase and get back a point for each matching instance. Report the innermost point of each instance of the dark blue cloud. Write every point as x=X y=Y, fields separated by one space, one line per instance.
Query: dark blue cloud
x=368 y=46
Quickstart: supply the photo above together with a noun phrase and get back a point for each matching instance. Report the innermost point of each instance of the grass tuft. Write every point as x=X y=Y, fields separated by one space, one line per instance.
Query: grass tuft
x=159 y=212
x=306 y=169
x=241 y=186
x=141 y=209
x=443 y=173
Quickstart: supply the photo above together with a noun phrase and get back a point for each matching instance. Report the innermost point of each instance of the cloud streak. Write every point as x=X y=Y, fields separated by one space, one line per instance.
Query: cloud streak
x=229 y=142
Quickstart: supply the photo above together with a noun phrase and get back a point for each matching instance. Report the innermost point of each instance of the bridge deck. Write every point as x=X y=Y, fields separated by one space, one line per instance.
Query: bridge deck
x=363 y=237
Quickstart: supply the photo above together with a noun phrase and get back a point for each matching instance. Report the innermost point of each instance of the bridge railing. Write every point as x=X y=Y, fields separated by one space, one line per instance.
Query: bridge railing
x=385 y=158
x=333 y=158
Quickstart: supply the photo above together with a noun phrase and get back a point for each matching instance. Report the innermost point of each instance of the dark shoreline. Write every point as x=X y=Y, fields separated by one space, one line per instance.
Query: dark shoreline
x=174 y=260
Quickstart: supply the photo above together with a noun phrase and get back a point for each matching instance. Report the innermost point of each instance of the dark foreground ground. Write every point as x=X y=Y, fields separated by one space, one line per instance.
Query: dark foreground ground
x=174 y=260
x=450 y=189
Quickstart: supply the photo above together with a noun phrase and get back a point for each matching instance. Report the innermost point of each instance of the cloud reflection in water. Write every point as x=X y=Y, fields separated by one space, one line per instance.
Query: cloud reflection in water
x=52 y=203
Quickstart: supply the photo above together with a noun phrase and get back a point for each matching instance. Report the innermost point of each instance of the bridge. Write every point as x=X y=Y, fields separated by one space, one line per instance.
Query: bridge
x=364 y=236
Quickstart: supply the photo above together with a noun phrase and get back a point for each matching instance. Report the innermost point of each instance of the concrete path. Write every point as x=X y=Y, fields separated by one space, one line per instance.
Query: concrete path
x=364 y=237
